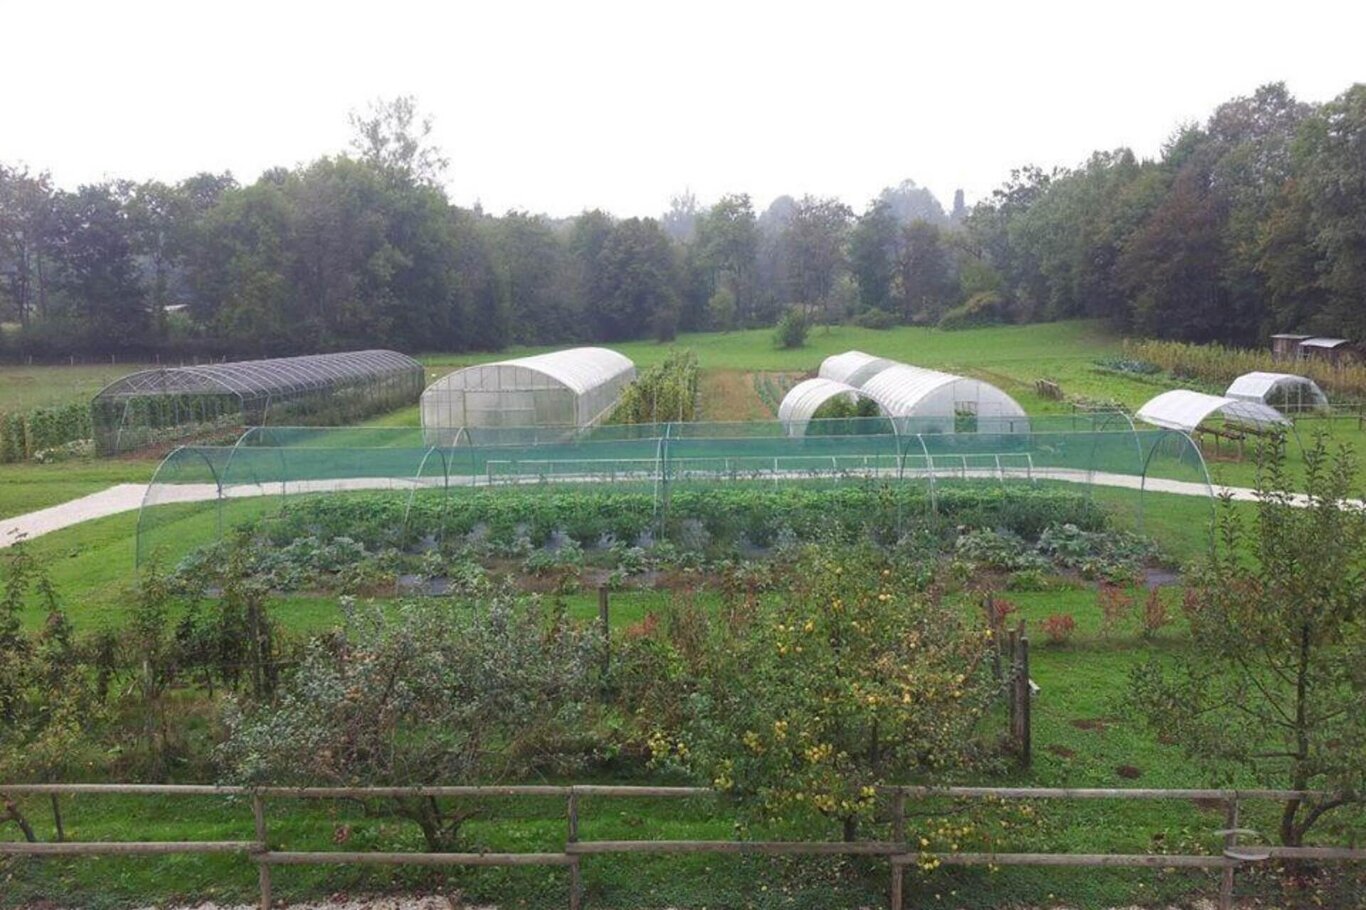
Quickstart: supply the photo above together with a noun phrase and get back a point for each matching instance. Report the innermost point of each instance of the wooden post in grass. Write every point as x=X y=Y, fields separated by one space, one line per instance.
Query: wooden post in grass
x=605 y=620
x=898 y=838
x=258 y=814
x=1012 y=690
x=575 y=879
x=1026 y=734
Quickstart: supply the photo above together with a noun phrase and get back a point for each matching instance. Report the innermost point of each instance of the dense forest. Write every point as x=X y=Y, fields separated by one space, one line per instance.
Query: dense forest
x=1250 y=223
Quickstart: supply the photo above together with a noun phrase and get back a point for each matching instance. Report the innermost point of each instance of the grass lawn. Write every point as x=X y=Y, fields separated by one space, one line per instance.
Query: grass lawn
x=26 y=487
x=23 y=387
x=1082 y=734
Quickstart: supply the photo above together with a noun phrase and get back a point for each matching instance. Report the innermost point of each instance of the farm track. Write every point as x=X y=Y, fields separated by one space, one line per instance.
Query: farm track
x=126 y=497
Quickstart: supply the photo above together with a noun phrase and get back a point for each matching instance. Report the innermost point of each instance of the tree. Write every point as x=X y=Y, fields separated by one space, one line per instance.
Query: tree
x=874 y=246
x=96 y=269
x=680 y=221
x=634 y=280
x=926 y=285
x=533 y=262
x=1273 y=681
x=1335 y=180
x=402 y=697
x=727 y=244
x=813 y=243
x=843 y=685
x=391 y=136
x=26 y=238
x=909 y=202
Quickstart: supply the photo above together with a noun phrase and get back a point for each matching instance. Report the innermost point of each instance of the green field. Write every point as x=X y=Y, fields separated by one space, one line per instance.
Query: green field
x=1082 y=734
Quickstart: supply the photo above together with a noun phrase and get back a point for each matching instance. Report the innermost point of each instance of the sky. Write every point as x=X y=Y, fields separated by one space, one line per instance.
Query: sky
x=559 y=107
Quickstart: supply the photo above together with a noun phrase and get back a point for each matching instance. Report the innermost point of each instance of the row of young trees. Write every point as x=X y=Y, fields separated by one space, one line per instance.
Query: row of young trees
x=1252 y=222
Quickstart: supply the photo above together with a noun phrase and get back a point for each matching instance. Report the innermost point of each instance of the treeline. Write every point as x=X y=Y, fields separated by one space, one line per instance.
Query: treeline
x=1250 y=223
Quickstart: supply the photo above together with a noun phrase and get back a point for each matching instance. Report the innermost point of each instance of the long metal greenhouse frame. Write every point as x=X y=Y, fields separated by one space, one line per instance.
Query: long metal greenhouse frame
x=200 y=492
x=168 y=403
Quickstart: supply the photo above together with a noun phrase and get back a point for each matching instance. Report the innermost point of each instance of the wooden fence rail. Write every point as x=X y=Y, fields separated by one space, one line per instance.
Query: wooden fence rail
x=897 y=851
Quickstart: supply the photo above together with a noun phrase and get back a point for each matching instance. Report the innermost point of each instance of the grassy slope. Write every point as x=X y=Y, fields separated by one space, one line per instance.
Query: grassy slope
x=24 y=387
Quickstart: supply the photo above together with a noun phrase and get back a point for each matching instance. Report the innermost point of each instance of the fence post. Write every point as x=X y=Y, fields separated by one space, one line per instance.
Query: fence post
x=1026 y=736
x=1012 y=687
x=258 y=813
x=899 y=838
x=1230 y=842
x=575 y=878
x=605 y=620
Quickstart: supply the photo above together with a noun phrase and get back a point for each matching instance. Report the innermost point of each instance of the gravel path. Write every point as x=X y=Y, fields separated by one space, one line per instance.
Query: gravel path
x=126 y=497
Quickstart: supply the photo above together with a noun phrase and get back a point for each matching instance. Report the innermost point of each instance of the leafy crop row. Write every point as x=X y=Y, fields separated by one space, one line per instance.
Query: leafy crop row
x=700 y=518
x=24 y=434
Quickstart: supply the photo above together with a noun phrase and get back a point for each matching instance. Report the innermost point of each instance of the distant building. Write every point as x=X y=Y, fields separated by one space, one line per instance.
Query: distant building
x=1337 y=351
x=1286 y=346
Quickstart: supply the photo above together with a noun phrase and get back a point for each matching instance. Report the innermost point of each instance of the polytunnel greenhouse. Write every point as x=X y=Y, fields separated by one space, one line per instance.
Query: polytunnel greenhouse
x=1184 y=410
x=578 y=387
x=170 y=403
x=1286 y=392
x=911 y=465
x=812 y=399
x=937 y=402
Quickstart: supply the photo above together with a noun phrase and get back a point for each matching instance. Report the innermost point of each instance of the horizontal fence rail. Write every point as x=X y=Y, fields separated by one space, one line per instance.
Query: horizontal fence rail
x=897 y=851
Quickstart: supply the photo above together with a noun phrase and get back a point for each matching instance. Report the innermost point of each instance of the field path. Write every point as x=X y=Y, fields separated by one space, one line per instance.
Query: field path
x=125 y=497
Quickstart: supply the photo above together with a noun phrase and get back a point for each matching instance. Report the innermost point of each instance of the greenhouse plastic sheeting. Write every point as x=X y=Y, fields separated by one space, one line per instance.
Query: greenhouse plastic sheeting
x=1283 y=391
x=573 y=388
x=1184 y=410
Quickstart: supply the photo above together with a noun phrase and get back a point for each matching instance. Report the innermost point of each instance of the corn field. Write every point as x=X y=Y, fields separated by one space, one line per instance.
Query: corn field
x=1219 y=365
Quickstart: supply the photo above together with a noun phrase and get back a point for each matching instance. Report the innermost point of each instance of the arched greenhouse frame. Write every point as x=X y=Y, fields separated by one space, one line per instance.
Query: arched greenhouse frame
x=154 y=406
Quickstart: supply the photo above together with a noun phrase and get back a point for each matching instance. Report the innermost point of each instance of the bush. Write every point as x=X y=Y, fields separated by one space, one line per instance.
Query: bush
x=666 y=324
x=846 y=683
x=791 y=330
x=986 y=308
x=721 y=309
x=875 y=318
x=403 y=695
x=1059 y=628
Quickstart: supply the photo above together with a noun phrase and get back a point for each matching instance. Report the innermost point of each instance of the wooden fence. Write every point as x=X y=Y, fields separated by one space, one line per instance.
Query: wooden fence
x=897 y=851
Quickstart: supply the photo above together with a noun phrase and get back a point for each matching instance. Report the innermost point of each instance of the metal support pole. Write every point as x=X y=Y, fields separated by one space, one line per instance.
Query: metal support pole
x=1230 y=843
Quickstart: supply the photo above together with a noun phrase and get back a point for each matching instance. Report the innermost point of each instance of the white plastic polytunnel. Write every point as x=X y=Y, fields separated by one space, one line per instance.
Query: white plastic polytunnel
x=853 y=367
x=1182 y=409
x=1283 y=391
x=804 y=399
x=577 y=387
x=936 y=402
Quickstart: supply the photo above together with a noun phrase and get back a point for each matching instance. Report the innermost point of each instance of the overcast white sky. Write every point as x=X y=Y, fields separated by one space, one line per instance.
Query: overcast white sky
x=557 y=107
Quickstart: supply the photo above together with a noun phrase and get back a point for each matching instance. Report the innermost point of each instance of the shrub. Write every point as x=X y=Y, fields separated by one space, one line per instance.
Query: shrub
x=721 y=309
x=1059 y=628
x=985 y=308
x=791 y=329
x=666 y=324
x=845 y=683
x=402 y=696
x=1115 y=603
x=1155 y=615
x=875 y=318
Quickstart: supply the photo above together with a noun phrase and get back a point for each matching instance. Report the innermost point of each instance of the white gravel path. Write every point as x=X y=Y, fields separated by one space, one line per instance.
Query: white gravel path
x=126 y=497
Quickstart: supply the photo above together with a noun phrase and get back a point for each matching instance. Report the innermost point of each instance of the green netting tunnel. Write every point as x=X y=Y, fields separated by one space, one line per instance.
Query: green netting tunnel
x=199 y=493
